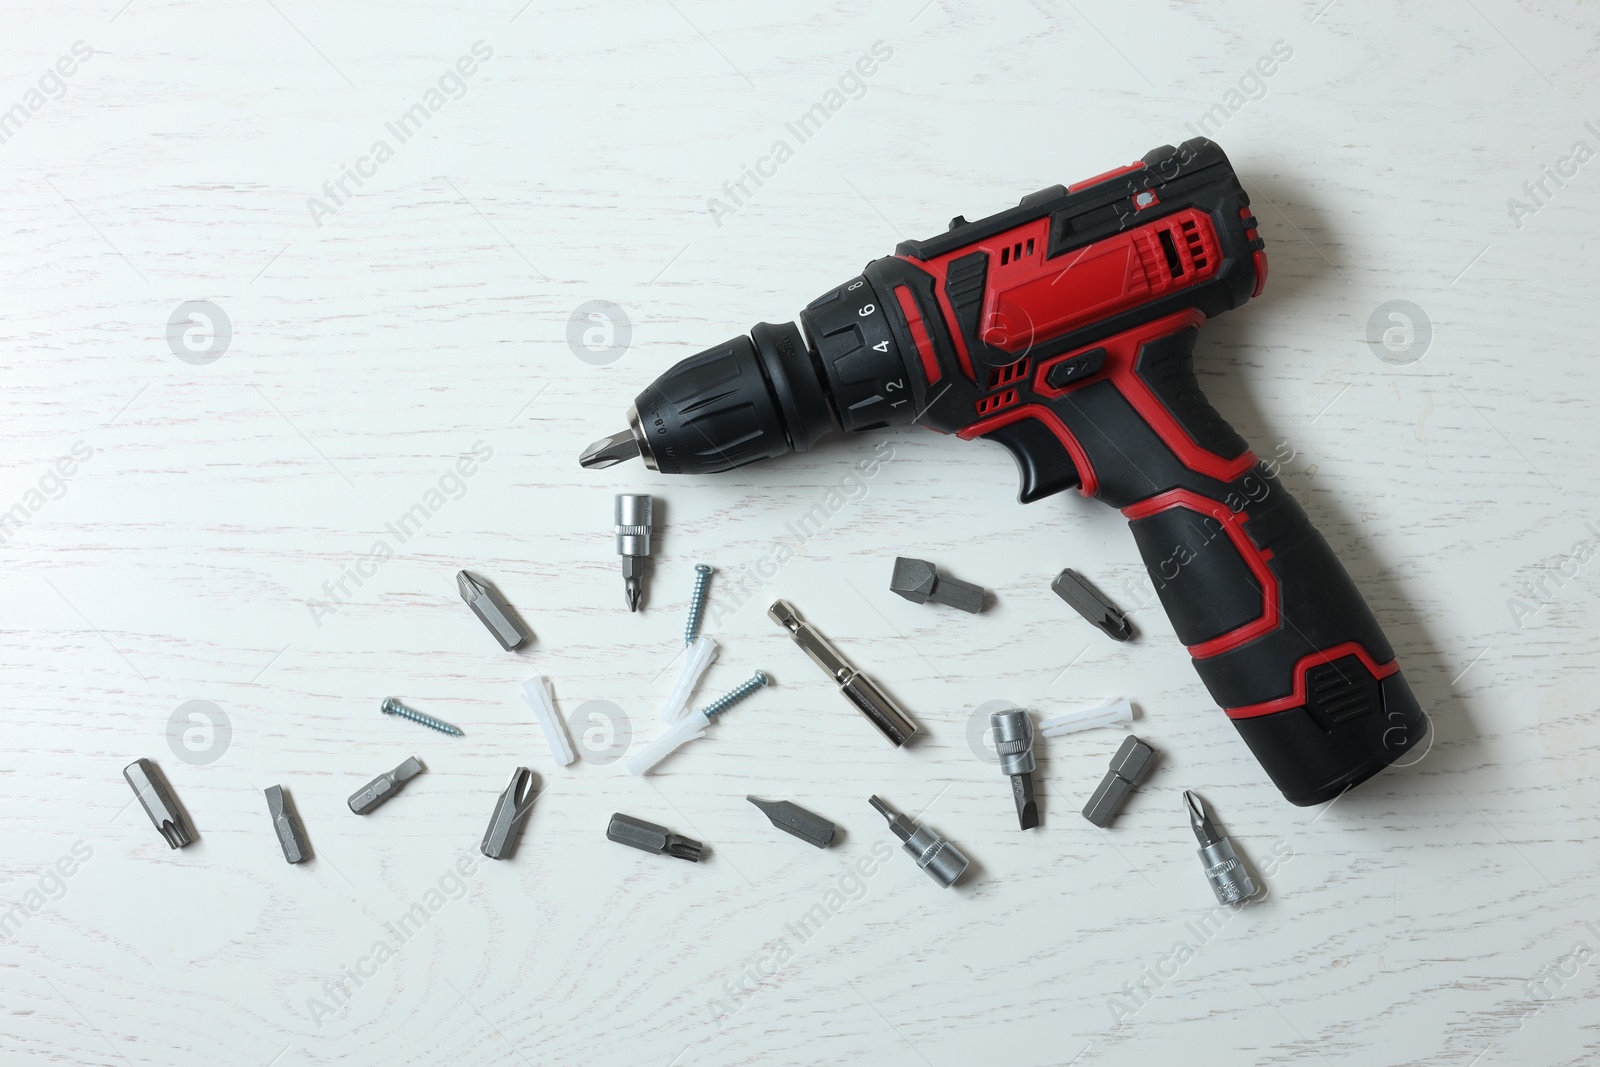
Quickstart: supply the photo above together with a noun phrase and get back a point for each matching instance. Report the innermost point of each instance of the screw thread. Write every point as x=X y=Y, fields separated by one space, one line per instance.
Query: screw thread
x=729 y=699
x=697 y=602
x=391 y=706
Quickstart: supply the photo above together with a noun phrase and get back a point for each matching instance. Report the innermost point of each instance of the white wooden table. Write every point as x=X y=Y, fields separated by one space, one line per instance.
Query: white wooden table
x=1441 y=914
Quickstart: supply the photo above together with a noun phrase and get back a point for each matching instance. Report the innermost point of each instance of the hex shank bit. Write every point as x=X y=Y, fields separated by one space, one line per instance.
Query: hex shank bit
x=491 y=610
x=510 y=812
x=857 y=688
x=648 y=837
x=286 y=824
x=919 y=582
x=155 y=796
x=791 y=818
x=1089 y=602
x=385 y=786
x=1132 y=764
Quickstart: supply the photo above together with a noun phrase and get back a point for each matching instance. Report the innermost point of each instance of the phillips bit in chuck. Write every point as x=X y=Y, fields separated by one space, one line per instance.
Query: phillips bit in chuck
x=609 y=451
x=1013 y=742
x=150 y=786
x=286 y=824
x=1229 y=879
x=491 y=610
x=860 y=690
x=942 y=860
x=633 y=520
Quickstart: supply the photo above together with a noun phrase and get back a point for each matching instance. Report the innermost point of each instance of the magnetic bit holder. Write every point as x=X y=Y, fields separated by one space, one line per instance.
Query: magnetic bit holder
x=492 y=610
x=1089 y=602
x=1131 y=765
x=155 y=796
x=386 y=785
x=287 y=825
x=791 y=818
x=511 y=810
x=857 y=688
x=942 y=860
x=648 y=837
x=919 y=582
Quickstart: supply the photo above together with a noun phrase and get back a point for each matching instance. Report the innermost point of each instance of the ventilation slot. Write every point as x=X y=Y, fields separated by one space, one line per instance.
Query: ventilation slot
x=996 y=402
x=1197 y=247
x=1014 y=252
x=1174 y=264
x=1006 y=375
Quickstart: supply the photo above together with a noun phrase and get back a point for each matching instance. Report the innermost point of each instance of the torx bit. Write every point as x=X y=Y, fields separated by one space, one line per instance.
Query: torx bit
x=942 y=860
x=1089 y=602
x=386 y=785
x=919 y=582
x=1013 y=742
x=1229 y=879
x=1132 y=764
x=609 y=451
x=648 y=837
x=286 y=824
x=510 y=812
x=791 y=818
x=491 y=610
x=633 y=520
x=857 y=688
x=155 y=796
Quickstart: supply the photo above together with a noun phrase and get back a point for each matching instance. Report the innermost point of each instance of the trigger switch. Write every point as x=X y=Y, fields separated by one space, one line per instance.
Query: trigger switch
x=1043 y=462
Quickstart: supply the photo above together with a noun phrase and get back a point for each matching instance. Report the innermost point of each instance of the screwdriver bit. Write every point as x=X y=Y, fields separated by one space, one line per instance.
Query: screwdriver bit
x=385 y=786
x=1089 y=602
x=633 y=520
x=286 y=823
x=1131 y=765
x=491 y=610
x=609 y=451
x=510 y=812
x=857 y=688
x=150 y=786
x=942 y=860
x=918 y=581
x=791 y=818
x=1229 y=879
x=648 y=837
x=1013 y=742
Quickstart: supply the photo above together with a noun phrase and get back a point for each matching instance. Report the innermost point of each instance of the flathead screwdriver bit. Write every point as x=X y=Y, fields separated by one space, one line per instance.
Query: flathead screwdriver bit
x=155 y=796
x=919 y=582
x=1013 y=743
x=286 y=824
x=491 y=610
x=791 y=818
x=1092 y=604
x=385 y=786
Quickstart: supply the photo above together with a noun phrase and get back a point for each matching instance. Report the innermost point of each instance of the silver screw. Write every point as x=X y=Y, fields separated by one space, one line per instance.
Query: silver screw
x=391 y=706
x=697 y=602
x=729 y=699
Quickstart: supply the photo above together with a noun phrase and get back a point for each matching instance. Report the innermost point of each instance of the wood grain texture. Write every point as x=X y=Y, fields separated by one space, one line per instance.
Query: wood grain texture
x=427 y=317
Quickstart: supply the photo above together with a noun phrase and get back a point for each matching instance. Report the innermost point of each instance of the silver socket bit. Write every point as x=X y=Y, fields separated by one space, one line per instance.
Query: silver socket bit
x=1089 y=602
x=491 y=610
x=648 y=837
x=791 y=818
x=857 y=688
x=943 y=861
x=1013 y=743
x=286 y=824
x=919 y=582
x=634 y=518
x=1229 y=879
x=386 y=785
x=510 y=812
x=1131 y=765
x=155 y=796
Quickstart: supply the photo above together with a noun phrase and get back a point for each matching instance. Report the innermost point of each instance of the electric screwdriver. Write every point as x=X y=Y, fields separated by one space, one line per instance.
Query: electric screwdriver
x=1064 y=329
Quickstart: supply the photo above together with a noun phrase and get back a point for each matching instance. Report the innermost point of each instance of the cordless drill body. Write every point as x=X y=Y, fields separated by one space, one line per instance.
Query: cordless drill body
x=1064 y=329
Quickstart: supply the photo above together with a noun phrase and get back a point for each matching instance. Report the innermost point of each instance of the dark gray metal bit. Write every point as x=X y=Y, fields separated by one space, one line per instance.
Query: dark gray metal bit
x=648 y=837
x=918 y=581
x=491 y=610
x=1131 y=765
x=510 y=812
x=1089 y=602
x=150 y=786
x=791 y=818
x=386 y=785
x=286 y=824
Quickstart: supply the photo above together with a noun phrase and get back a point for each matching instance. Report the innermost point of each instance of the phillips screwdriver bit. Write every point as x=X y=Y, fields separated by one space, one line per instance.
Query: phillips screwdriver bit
x=791 y=818
x=857 y=688
x=633 y=520
x=150 y=786
x=1229 y=879
x=1089 y=602
x=510 y=812
x=648 y=837
x=1132 y=764
x=919 y=582
x=609 y=451
x=286 y=824
x=385 y=786
x=942 y=860
x=491 y=610
x=1013 y=742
